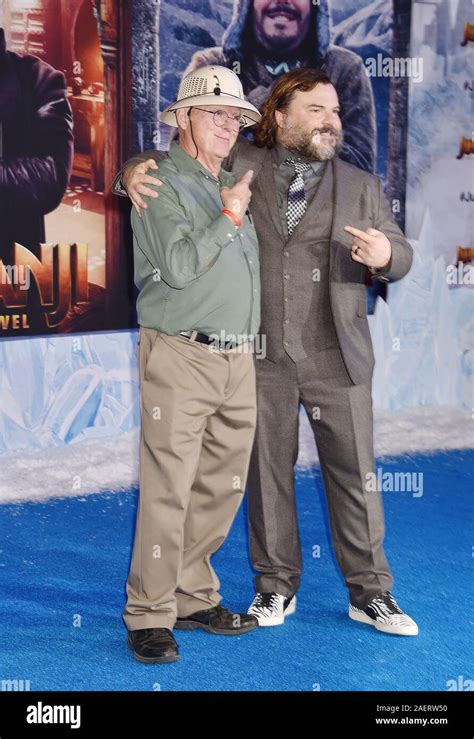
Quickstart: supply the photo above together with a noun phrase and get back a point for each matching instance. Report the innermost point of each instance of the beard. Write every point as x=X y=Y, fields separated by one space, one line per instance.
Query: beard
x=308 y=144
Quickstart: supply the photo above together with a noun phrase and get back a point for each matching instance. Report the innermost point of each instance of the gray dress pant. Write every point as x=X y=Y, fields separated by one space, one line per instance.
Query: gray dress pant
x=341 y=418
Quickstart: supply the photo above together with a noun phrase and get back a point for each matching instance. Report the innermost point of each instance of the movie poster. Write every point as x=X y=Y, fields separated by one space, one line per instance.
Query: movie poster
x=63 y=131
x=440 y=144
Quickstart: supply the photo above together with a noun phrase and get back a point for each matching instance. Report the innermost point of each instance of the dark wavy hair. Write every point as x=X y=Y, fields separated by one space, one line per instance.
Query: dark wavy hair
x=281 y=95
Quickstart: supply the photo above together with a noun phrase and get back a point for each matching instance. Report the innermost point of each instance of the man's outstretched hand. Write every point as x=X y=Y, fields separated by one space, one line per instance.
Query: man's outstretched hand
x=370 y=247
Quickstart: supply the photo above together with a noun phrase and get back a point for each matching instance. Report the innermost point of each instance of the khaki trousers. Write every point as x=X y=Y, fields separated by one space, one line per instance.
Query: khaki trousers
x=198 y=411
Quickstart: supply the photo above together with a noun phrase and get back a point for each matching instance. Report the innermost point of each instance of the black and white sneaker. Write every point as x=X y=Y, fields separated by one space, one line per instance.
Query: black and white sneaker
x=271 y=609
x=384 y=613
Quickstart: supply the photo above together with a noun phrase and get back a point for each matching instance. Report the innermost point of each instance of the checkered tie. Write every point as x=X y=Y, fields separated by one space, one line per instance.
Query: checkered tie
x=296 y=194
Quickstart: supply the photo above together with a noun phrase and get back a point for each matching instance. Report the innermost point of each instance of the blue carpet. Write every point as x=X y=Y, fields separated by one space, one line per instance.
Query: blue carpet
x=63 y=566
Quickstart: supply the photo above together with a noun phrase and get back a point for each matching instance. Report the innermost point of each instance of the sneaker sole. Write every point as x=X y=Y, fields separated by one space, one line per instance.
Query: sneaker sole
x=153 y=660
x=276 y=620
x=386 y=628
x=192 y=625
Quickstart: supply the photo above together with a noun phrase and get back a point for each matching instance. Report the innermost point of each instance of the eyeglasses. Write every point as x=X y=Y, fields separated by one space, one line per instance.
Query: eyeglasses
x=221 y=118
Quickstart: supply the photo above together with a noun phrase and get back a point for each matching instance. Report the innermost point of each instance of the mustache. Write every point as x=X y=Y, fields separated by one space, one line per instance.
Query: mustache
x=287 y=9
x=325 y=129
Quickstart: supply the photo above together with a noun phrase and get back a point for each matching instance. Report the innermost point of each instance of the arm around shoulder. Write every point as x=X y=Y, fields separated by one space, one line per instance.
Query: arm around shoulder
x=117 y=186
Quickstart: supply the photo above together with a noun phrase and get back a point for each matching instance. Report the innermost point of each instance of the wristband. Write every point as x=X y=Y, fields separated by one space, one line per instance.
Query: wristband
x=233 y=217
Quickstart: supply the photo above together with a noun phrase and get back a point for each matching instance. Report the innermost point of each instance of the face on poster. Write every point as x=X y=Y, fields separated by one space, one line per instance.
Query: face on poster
x=52 y=133
x=259 y=40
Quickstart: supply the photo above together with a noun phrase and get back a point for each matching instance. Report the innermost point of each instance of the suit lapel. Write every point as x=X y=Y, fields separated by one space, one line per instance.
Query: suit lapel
x=346 y=188
x=267 y=189
x=346 y=200
x=263 y=184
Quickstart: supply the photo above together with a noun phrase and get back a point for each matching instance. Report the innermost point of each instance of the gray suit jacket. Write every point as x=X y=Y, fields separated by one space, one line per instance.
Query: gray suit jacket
x=359 y=201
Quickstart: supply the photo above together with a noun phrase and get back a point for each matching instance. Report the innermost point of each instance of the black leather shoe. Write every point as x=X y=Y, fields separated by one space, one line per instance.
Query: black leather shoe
x=218 y=620
x=153 y=645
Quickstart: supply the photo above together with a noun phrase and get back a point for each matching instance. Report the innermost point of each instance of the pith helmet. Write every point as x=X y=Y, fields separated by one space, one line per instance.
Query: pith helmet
x=211 y=85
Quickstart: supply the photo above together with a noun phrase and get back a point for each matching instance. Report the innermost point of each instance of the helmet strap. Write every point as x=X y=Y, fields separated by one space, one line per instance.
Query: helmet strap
x=192 y=132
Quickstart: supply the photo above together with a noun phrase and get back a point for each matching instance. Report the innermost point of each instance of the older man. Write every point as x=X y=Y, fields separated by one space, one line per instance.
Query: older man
x=321 y=224
x=196 y=266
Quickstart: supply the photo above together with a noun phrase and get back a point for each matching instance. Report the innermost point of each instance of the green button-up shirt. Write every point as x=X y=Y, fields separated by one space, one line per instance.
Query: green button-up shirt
x=194 y=268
